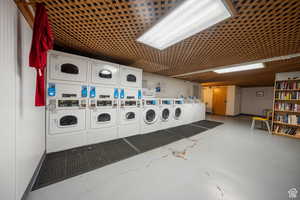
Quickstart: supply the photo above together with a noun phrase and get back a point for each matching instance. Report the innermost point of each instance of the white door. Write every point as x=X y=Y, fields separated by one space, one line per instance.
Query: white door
x=130 y=116
x=65 y=68
x=101 y=118
x=104 y=73
x=66 y=121
x=130 y=77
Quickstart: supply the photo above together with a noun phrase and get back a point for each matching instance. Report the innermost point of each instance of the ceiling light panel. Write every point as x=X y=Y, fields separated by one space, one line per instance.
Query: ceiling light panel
x=191 y=17
x=240 y=68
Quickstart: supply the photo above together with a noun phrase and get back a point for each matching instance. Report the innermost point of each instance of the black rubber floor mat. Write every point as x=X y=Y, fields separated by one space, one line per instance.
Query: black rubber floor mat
x=62 y=165
x=153 y=140
x=186 y=130
x=208 y=124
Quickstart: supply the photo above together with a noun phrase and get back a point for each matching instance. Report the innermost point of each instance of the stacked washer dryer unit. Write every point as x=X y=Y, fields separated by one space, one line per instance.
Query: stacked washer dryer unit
x=150 y=115
x=166 y=113
x=103 y=102
x=130 y=101
x=67 y=98
x=178 y=112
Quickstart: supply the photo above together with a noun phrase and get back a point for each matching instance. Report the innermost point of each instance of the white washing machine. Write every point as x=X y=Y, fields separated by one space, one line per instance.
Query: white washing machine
x=178 y=112
x=188 y=111
x=104 y=73
x=130 y=77
x=129 y=112
x=103 y=114
x=67 y=67
x=199 y=108
x=150 y=115
x=66 y=116
x=166 y=111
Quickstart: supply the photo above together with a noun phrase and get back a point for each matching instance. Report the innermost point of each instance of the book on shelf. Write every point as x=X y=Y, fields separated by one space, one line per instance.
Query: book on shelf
x=287 y=85
x=283 y=106
x=287 y=118
x=287 y=95
x=286 y=130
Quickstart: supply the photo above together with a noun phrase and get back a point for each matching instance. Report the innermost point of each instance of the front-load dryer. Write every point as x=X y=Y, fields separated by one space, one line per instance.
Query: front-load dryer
x=66 y=116
x=166 y=110
x=150 y=115
x=129 y=112
x=178 y=112
x=104 y=73
x=67 y=68
x=103 y=114
x=130 y=77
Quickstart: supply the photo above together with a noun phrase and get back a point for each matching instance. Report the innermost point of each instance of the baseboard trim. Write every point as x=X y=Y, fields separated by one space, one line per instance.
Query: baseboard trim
x=34 y=177
x=251 y=115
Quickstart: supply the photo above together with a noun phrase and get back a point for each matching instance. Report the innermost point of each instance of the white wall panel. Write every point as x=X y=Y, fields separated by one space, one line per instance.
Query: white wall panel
x=22 y=141
x=253 y=105
x=171 y=87
x=30 y=127
x=7 y=100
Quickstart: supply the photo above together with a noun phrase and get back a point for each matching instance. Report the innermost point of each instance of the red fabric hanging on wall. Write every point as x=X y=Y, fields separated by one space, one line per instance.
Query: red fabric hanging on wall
x=42 y=41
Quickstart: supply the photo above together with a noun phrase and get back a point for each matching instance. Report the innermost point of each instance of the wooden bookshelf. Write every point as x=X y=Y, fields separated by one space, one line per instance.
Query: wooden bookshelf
x=286 y=124
x=280 y=104
x=297 y=136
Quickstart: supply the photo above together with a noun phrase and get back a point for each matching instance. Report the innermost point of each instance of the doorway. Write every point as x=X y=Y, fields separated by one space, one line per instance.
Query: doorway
x=219 y=100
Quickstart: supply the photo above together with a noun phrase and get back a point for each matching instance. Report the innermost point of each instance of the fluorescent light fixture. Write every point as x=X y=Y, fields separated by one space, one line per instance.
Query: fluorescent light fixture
x=191 y=17
x=240 y=68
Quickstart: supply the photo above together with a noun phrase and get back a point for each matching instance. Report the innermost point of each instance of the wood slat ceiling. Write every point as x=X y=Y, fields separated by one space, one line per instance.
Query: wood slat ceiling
x=260 y=29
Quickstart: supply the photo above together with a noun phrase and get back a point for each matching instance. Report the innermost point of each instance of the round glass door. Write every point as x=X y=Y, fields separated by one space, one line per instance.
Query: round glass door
x=104 y=117
x=177 y=113
x=150 y=116
x=130 y=115
x=165 y=114
x=68 y=120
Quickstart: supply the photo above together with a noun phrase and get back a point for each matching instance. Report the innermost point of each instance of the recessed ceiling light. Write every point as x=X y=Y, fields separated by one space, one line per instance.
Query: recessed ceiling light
x=240 y=68
x=189 y=18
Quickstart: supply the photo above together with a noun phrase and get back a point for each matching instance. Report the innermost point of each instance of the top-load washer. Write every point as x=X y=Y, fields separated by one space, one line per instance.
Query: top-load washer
x=178 y=112
x=66 y=116
x=188 y=110
x=150 y=115
x=103 y=114
x=199 y=109
x=104 y=73
x=130 y=77
x=166 y=110
x=67 y=67
x=129 y=112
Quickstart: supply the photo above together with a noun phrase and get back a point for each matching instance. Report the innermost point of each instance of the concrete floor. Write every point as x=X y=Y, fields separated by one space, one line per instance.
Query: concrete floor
x=227 y=162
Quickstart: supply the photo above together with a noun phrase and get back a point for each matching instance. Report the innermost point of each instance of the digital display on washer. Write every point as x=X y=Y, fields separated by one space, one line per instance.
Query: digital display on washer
x=68 y=103
x=166 y=102
x=130 y=103
x=151 y=102
x=104 y=103
x=65 y=95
